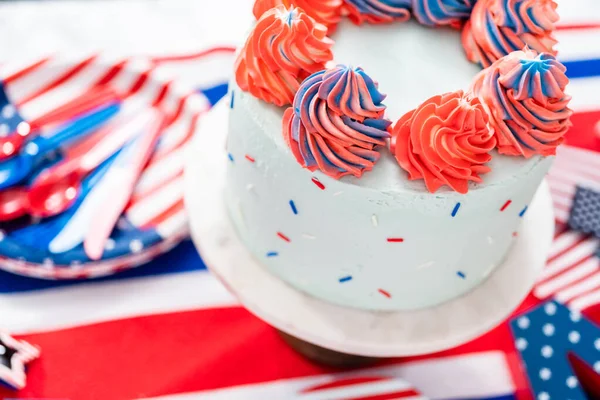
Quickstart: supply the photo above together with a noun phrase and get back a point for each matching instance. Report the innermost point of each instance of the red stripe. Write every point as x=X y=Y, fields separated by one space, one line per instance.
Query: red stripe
x=570 y=267
x=165 y=215
x=281 y=235
x=88 y=101
x=567 y=249
x=387 y=396
x=346 y=382
x=505 y=206
x=60 y=80
x=111 y=74
x=156 y=159
x=181 y=106
x=578 y=174
x=135 y=199
x=188 y=136
x=562 y=207
x=585 y=292
x=26 y=70
x=162 y=94
x=195 y=56
x=556 y=193
x=577 y=27
x=139 y=83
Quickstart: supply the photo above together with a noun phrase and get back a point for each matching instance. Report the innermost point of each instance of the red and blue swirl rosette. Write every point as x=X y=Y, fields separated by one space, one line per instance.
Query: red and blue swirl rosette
x=498 y=27
x=377 y=11
x=524 y=94
x=337 y=122
x=442 y=12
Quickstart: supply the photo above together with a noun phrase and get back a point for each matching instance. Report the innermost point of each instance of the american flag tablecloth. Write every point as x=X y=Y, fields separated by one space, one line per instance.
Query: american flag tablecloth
x=170 y=330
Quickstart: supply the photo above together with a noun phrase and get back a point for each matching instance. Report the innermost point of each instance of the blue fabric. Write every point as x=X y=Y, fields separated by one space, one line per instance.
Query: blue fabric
x=582 y=69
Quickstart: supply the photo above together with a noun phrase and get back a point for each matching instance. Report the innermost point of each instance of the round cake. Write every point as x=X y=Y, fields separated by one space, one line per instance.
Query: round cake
x=402 y=201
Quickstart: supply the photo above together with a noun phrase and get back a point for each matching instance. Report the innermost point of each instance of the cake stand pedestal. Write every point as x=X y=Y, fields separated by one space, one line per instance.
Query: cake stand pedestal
x=340 y=329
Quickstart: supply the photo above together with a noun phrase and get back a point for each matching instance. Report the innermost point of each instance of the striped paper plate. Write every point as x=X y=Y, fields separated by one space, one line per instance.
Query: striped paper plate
x=155 y=219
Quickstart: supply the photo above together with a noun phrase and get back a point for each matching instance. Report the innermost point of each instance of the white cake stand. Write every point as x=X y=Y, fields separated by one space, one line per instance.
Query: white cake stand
x=347 y=330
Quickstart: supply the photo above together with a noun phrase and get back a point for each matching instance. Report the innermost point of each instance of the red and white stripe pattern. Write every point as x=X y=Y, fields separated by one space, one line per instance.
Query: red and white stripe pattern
x=572 y=274
x=437 y=378
x=573 y=167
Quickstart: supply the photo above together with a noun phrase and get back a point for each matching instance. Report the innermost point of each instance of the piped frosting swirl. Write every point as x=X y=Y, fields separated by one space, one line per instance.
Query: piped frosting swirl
x=444 y=141
x=524 y=94
x=284 y=48
x=499 y=27
x=377 y=11
x=326 y=12
x=442 y=12
x=336 y=122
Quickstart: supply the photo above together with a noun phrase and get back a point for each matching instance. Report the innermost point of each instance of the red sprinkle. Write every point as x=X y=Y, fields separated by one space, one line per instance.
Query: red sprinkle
x=281 y=235
x=249 y=158
x=385 y=293
x=318 y=183
x=395 y=240
x=505 y=206
x=515 y=234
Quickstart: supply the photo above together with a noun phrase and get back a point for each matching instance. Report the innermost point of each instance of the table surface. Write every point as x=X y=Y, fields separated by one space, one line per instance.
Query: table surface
x=170 y=327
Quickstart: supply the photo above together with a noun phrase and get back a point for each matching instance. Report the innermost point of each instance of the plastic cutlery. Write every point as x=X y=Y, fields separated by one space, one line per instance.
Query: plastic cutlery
x=95 y=201
x=124 y=176
x=13 y=141
x=14 y=170
x=45 y=233
x=57 y=188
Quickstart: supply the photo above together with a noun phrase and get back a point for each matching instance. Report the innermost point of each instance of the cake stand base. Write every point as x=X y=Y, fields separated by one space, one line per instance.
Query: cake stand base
x=347 y=330
x=326 y=357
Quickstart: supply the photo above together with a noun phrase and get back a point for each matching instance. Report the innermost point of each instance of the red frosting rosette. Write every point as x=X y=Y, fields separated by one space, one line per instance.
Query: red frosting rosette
x=445 y=141
x=326 y=12
x=285 y=47
x=524 y=94
x=499 y=27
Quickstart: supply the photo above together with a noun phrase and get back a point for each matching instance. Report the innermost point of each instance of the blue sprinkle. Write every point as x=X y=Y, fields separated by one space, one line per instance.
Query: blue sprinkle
x=461 y=274
x=345 y=279
x=232 y=99
x=230 y=157
x=522 y=213
x=455 y=211
x=294 y=209
x=272 y=254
